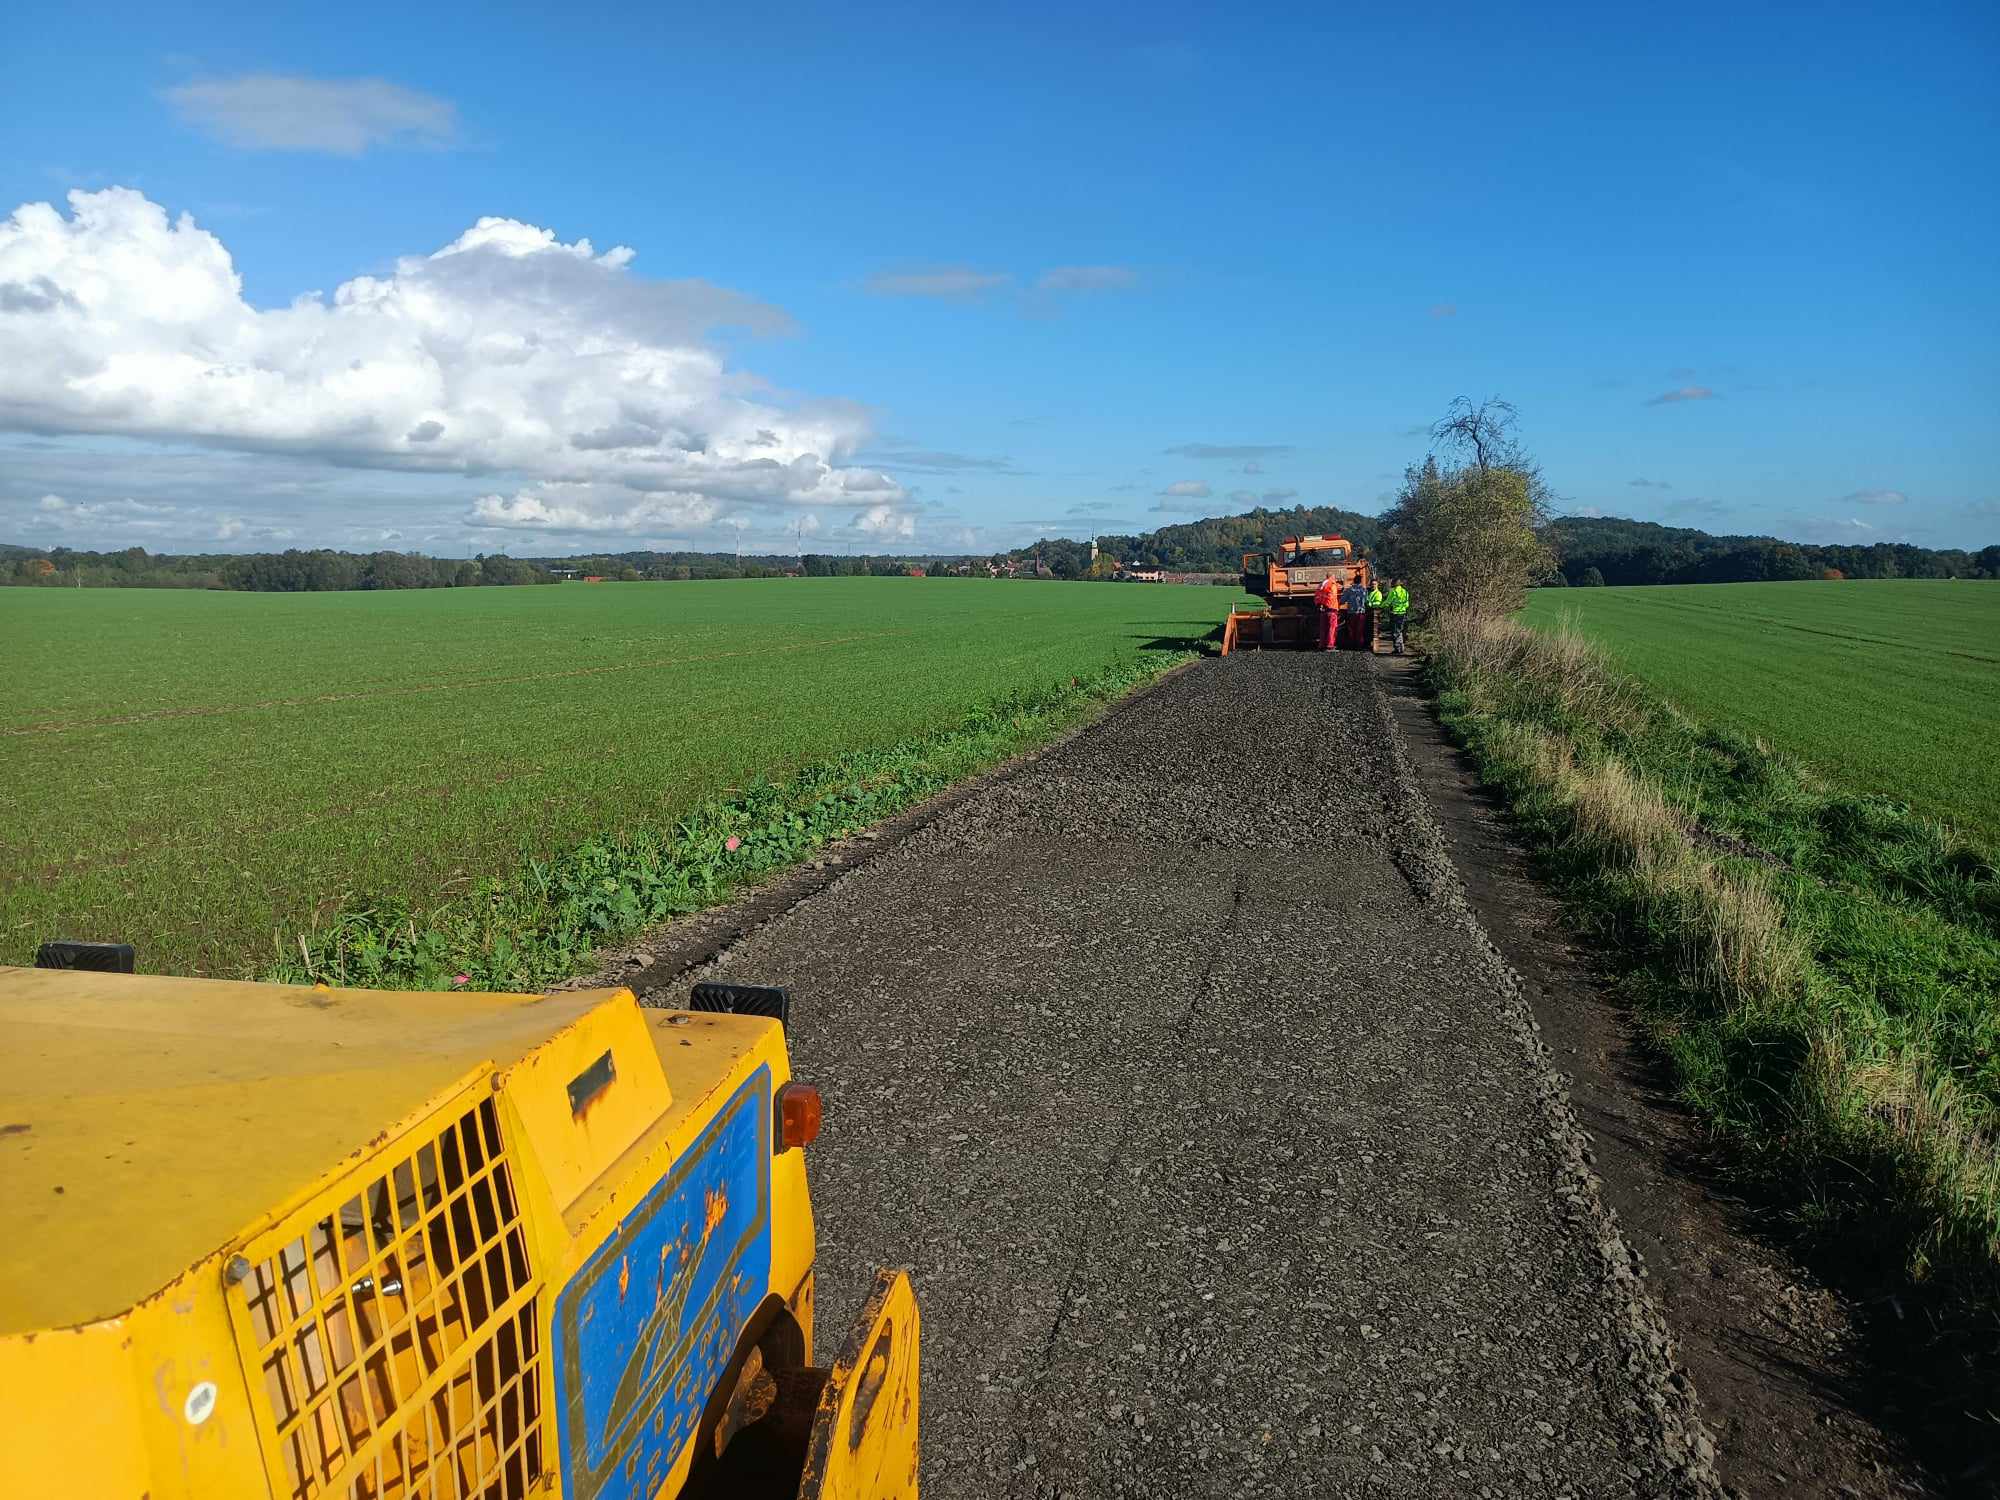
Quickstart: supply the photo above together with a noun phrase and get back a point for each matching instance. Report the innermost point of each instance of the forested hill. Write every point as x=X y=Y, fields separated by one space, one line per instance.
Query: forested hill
x=1589 y=550
x=1609 y=550
x=1213 y=545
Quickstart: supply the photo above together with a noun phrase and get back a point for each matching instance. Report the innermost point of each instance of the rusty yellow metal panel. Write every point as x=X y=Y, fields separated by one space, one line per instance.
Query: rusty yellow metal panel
x=658 y=1267
x=157 y=1393
x=149 y=1119
x=329 y=1243
x=864 y=1440
x=77 y=1382
x=585 y=1094
x=388 y=1327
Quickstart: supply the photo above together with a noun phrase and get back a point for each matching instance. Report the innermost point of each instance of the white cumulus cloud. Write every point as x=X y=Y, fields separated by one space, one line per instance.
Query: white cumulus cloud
x=886 y=522
x=506 y=352
x=573 y=508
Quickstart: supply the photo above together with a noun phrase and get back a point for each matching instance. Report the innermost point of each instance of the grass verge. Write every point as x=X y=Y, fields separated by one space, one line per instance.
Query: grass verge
x=1819 y=969
x=543 y=920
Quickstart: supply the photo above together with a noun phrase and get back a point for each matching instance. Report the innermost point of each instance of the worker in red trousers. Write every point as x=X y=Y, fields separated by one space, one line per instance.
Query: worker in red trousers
x=1328 y=619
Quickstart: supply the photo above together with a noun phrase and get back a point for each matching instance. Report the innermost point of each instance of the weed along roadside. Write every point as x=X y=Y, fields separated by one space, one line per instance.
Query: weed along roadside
x=1819 y=968
x=541 y=921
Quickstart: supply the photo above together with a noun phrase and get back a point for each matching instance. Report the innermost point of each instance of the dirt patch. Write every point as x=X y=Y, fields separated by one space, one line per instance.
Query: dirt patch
x=1785 y=1364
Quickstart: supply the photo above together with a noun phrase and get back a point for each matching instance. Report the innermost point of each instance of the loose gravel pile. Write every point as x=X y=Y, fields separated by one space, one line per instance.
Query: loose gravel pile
x=1217 y=1136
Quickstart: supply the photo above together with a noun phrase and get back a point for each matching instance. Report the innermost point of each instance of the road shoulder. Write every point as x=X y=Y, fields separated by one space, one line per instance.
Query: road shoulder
x=1770 y=1351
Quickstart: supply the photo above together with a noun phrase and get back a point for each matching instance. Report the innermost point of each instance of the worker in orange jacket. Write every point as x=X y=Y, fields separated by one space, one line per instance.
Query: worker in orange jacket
x=1326 y=599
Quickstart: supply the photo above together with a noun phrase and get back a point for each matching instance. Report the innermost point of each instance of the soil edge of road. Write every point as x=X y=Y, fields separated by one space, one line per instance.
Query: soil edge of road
x=1768 y=1349
x=1652 y=1356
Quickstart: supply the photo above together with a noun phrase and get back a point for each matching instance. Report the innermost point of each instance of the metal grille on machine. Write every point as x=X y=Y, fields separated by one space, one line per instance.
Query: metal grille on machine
x=395 y=1333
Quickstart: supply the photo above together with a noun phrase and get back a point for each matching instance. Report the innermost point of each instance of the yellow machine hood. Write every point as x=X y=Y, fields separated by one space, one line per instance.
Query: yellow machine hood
x=146 y=1120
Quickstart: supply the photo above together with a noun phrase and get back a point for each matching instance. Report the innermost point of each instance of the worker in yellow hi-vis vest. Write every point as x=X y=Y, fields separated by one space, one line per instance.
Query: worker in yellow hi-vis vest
x=1374 y=610
x=1398 y=600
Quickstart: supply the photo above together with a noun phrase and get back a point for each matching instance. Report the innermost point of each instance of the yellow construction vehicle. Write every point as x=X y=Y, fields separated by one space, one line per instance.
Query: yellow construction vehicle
x=1288 y=580
x=265 y=1240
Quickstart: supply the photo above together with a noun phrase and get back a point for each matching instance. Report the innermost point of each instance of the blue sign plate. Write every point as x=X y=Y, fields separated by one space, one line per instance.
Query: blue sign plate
x=645 y=1331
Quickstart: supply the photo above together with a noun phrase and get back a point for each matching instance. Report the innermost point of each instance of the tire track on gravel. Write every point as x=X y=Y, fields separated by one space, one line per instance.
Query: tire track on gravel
x=1086 y=1218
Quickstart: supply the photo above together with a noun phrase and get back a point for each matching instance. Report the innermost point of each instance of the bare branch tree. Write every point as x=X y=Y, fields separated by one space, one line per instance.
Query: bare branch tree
x=1471 y=535
x=1485 y=431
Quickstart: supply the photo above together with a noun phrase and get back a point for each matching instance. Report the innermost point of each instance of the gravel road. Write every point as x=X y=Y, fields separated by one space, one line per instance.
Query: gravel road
x=1215 y=1133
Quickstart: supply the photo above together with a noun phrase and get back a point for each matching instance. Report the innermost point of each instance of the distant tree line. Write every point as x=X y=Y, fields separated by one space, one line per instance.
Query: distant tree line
x=322 y=569
x=823 y=565
x=1593 y=550
x=1587 y=551
x=684 y=566
x=313 y=572
x=290 y=572
x=1616 y=551
x=134 y=567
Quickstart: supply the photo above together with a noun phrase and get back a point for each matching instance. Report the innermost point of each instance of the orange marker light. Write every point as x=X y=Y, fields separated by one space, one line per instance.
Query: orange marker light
x=798 y=1116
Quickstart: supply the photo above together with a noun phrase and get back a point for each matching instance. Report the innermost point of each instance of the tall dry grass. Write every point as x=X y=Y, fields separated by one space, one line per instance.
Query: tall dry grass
x=1724 y=930
x=1923 y=1113
x=1769 y=1048
x=1556 y=676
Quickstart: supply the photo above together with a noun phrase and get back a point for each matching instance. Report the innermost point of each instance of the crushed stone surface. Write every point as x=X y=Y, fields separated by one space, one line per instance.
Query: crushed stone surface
x=1217 y=1137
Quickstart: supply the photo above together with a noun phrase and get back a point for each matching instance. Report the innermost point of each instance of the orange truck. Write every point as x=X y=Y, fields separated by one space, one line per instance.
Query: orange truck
x=1288 y=580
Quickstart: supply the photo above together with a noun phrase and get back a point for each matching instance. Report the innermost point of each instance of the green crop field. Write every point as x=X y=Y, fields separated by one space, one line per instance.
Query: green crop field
x=1882 y=686
x=194 y=772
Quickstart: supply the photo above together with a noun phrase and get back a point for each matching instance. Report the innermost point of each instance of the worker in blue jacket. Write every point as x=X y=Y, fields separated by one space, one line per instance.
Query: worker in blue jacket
x=1354 y=608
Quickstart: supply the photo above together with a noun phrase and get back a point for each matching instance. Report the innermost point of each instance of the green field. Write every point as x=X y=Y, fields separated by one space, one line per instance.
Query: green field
x=195 y=772
x=1768 y=867
x=1882 y=686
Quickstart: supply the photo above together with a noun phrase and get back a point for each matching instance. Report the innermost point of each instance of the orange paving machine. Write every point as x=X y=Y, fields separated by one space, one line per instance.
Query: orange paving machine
x=1289 y=580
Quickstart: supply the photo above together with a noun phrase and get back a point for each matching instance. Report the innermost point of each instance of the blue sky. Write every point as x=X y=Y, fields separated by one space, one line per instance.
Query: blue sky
x=921 y=278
